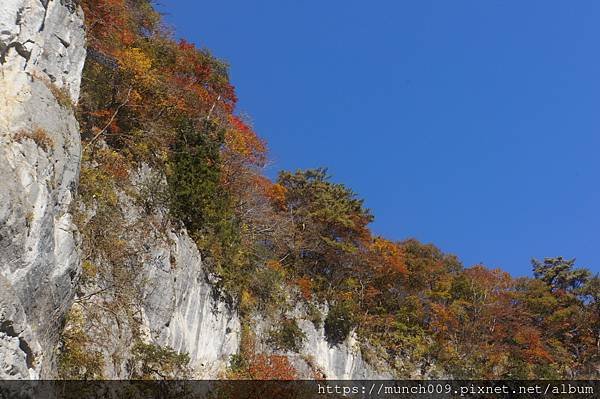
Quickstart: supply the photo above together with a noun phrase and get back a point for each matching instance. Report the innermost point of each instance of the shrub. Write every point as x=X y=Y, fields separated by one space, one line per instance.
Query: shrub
x=237 y=364
x=266 y=286
x=76 y=360
x=314 y=314
x=194 y=178
x=62 y=95
x=339 y=322
x=287 y=336
x=40 y=136
x=159 y=362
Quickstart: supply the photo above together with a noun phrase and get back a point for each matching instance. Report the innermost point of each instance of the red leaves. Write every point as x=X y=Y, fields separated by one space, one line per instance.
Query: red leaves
x=532 y=346
x=244 y=143
x=271 y=367
x=107 y=23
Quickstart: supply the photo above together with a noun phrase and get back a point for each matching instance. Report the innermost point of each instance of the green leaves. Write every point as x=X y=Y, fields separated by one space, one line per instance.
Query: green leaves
x=159 y=362
x=560 y=274
x=287 y=336
x=330 y=222
x=339 y=322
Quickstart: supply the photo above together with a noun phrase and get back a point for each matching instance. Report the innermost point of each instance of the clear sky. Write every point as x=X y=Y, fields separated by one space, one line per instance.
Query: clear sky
x=473 y=125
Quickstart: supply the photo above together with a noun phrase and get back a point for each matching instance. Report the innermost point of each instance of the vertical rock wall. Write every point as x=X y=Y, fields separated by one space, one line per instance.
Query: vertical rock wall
x=41 y=58
x=316 y=357
x=184 y=313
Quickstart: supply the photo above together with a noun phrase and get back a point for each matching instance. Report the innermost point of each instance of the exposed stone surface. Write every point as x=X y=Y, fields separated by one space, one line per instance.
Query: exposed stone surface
x=317 y=358
x=184 y=313
x=181 y=308
x=41 y=58
x=334 y=362
x=173 y=302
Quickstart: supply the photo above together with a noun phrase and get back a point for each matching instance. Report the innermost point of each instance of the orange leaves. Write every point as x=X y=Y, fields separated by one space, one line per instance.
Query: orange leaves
x=372 y=294
x=495 y=281
x=388 y=256
x=112 y=163
x=104 y=118
x=443 y=320
x=530 y=339
x=274 y=264
x=243 y=142
x=107 y=23
x=306 y=286
x=271 y=367
x=171 y=79
x=274 y=192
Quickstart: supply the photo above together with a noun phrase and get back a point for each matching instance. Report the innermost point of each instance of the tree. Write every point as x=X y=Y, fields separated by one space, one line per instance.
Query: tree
x=330 y=223
x=560 y=274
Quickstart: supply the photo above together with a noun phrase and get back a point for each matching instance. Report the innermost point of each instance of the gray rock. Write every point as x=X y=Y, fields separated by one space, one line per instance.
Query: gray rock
x=39 y=166
x=184 y=313
x=317 y=358
x=177 y=304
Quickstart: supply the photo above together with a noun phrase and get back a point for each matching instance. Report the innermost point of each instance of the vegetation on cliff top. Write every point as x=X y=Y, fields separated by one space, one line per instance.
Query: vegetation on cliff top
x=169 y=105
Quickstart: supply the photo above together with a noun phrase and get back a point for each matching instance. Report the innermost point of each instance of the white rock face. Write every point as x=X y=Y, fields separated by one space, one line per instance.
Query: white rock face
x=41 y=58
x=178 y=305
x=317 y=358
x=185 y=314
x=340 y=362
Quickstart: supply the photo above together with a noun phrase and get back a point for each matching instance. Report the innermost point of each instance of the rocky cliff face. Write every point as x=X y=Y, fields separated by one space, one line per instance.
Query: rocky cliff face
x=169 y=295
x=41 y=59
x=178 y=307
x=319 y=359
x=184 y=313
x=172 y=301
x=316 y=357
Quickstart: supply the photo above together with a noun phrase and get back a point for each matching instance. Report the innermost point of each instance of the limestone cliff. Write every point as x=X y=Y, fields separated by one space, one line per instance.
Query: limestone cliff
x=41 y=58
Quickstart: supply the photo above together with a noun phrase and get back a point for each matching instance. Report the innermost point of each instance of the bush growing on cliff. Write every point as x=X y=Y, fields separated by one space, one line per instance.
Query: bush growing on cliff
x=39 y=136
x=159 y=362
x=78 y=360
x=194 y=174
x=340 y=321
x=287 y=336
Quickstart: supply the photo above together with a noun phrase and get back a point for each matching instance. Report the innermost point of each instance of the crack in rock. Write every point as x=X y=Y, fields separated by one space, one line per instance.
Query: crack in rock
x=19 y=48
x=7 y=328
x=65 y=43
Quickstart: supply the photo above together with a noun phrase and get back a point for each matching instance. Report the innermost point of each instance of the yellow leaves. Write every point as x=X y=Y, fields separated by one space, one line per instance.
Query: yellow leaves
x=136 y=61
x=247 y=301
x=138 y=65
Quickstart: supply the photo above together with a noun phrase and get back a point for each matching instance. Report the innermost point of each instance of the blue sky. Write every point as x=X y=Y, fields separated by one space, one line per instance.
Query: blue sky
x=473 y=125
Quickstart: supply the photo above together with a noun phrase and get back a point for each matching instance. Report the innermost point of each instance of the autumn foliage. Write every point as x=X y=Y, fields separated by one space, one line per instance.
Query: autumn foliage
x=165 y=103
